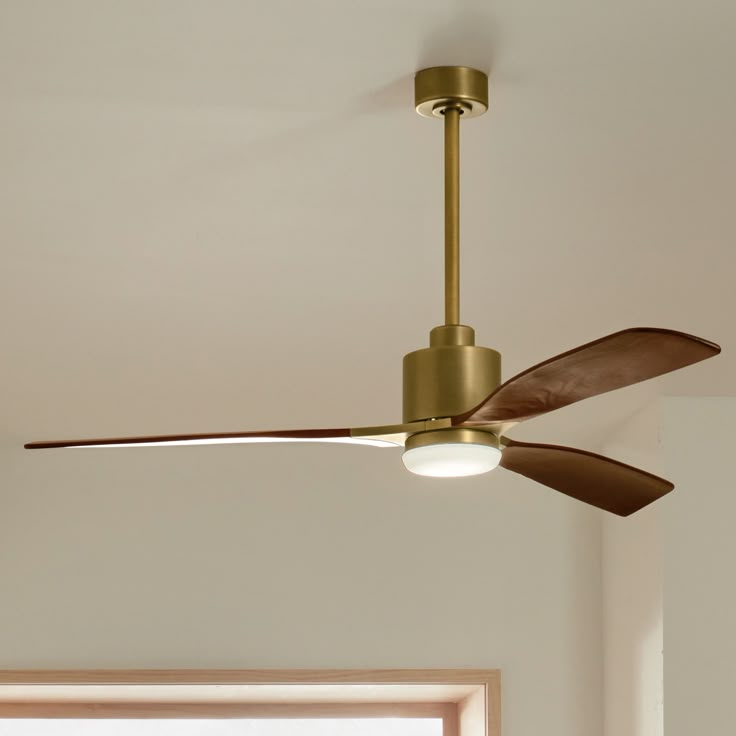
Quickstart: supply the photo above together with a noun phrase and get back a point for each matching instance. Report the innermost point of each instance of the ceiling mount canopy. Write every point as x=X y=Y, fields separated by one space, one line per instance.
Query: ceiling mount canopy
x=456 y=409
x=442 y=87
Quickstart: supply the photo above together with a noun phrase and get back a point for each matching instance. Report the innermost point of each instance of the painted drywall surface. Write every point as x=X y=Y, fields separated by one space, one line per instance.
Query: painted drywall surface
x=300 y=556
x=632 y=593
x=632 y=622
x=699 y=577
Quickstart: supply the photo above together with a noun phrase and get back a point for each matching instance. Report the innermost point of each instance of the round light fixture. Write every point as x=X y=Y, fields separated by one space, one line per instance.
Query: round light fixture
x=451 y=453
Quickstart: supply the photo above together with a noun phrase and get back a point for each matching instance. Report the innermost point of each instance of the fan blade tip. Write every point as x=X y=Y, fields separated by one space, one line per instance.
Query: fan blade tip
x=42 y=445
x=659 y=330
x=667 y=487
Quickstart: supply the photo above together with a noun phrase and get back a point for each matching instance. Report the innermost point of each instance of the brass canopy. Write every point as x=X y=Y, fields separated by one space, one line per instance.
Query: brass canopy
x=440 y=87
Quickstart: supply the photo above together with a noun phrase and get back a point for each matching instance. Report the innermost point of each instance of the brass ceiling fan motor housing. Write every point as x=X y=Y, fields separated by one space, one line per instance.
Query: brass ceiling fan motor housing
x=450 y=377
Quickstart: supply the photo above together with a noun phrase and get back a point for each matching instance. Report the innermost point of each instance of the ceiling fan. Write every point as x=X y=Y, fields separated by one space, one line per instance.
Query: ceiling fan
x=456 y=410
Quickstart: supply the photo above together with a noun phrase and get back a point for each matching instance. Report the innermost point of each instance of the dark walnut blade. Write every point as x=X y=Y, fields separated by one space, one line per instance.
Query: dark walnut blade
x=594 y=479
x=619 y=360
x=296 y=435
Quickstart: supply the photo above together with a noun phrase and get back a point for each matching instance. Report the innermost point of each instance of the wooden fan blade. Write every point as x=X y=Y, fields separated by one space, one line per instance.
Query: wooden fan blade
x=594 y=479
x=297 y=435
x=612 y=362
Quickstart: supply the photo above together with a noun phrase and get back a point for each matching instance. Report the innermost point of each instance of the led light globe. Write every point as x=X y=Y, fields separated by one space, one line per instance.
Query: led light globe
x=451 y=460
x=451 y=453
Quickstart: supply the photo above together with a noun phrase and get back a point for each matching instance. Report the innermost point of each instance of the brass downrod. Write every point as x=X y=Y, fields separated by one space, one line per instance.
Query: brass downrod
x=452 y=214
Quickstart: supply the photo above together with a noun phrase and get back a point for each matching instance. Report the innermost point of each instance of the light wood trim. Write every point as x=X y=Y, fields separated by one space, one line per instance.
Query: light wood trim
x=450 y=720
x=493 y=702
x=477 y=714
x=228 y=710
x=247 y=677
x=473 y=714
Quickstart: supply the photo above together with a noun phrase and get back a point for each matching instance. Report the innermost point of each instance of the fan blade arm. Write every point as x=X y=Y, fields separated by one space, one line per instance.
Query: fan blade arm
x=596 y=480
x=398 y=433
x=389 y=436
x=612 y=362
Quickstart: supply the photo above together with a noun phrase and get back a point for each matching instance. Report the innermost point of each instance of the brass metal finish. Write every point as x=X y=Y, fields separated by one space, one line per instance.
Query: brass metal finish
x=452 y=215
x=450 y=92
x=440 y=86
x=456 y=436
x=450 y=377
x=398 y=433
x=448 y=335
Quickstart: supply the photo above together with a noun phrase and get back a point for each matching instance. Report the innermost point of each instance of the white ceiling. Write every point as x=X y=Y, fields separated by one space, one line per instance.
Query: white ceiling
x=226 y=215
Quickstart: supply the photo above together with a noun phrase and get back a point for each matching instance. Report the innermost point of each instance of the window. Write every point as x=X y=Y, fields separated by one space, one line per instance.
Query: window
x=250 y=703
x=223 y=727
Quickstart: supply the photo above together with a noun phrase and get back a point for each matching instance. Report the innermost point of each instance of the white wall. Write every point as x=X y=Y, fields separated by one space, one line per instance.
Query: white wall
x=301 y=557
x=699 y=566
x=633 y=690
x=632 y=593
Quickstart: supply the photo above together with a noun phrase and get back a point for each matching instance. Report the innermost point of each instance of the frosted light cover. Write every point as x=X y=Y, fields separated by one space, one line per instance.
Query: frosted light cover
x=451 y=460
